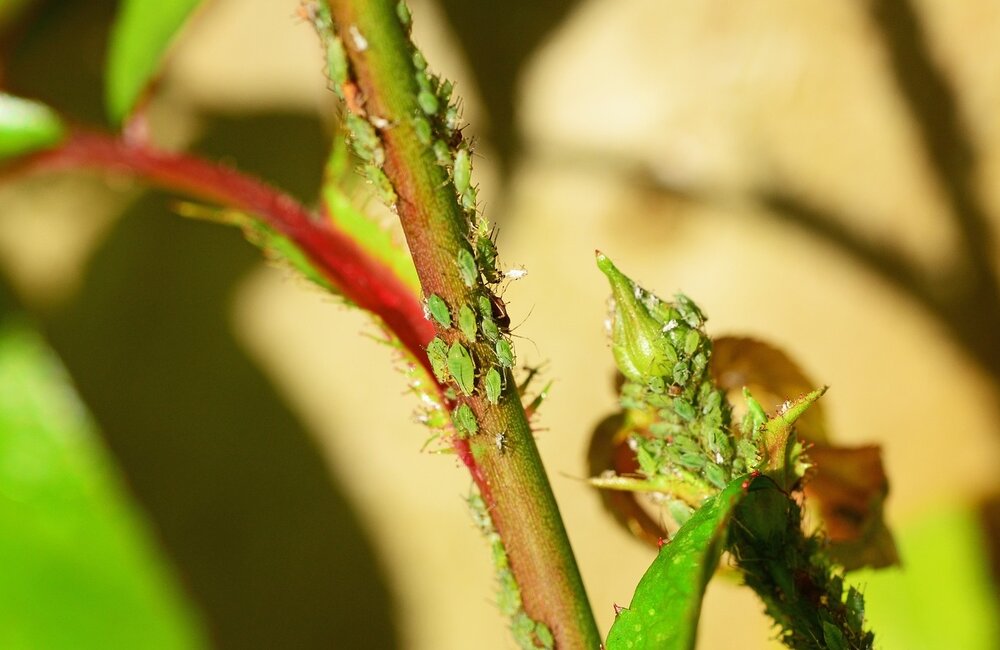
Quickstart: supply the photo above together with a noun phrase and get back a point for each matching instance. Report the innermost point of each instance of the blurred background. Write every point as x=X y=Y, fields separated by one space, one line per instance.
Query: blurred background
x=200 y=450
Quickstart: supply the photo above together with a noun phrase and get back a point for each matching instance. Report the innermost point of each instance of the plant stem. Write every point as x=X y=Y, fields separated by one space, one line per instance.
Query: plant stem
x=363 y=280
x=521 y=504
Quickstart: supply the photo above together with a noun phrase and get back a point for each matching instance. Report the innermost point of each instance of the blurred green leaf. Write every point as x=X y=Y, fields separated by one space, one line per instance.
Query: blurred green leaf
x=26 y=126
x=667 y=601
x=942 y=596
x=142 y=33
x=79 y=568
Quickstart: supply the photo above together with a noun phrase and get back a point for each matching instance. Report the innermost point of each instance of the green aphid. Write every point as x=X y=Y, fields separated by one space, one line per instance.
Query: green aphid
x=423 y=81
x=467 y=322
x=683 y=408
x=681 y=373
x=490 y=329
x=403 y=13
x=469 y=199
x=451 y=118
x=383 y=186
x=465 y=421
x=689 y=311
x=444 y=92
x=428 y=102
x=715 y=475
x=494 y=385
x=462 y=367
x=544 y=636
x=691 y=342
x=422 y=129
x=485 y=308
x=437 y=354
x=438 y=309
x=505 y=354
x=419 y=62
x=486 y=253
x=748 y=452
x=656 y=385
x=462 y=170
x=336 y=63
x=365 y=141
x=442 y=153
x=467 y=267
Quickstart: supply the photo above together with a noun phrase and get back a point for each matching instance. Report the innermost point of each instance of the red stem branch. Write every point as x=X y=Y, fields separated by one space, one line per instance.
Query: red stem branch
x=363 y=280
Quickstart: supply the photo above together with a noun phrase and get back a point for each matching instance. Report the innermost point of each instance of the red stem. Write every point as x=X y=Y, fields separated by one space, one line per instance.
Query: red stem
x=363 y=280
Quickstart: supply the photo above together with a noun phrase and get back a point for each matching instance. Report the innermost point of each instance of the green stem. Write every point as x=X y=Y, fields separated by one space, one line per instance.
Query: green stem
x=520 y=500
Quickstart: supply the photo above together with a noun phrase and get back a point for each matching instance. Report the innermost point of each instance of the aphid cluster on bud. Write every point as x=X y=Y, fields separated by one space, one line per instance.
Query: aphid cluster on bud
x=663 y=351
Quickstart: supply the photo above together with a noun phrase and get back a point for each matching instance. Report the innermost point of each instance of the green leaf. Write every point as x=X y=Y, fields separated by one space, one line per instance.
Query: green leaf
x=275 y=245
x=26 y=126
x=369 y=235
x=141 y=34
x=943 y=596
x=664 y=611
x=81 y=569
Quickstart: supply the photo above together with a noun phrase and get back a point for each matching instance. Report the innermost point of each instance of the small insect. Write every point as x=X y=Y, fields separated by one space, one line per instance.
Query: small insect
x=494 y=385
x=403 y=13
x=438 y=309
x=498 y=310
x=437 y=354
x=383 y=186
x=465 y=421
x=462 y=367
x=467 y=267
x=428 y=102
x=467 y=322
x=462 y=170
x=422 y=129
x=500 y=440
x=505 y=354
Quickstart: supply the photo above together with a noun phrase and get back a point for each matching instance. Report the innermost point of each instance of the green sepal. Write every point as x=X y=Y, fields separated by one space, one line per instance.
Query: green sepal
x=638 y=342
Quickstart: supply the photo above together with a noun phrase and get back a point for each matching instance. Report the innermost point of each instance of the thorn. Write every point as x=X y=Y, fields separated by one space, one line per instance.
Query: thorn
x=661 y=541
x=619 y=609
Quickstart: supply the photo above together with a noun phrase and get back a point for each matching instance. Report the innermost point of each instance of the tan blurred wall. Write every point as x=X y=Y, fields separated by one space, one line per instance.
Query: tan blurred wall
x=713 y=99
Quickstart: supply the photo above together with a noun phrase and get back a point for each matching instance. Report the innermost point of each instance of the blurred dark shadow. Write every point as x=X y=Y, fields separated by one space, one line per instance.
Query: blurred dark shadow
x=55 y=53
x=264 y=538
x=498 y=38
x=971 y=296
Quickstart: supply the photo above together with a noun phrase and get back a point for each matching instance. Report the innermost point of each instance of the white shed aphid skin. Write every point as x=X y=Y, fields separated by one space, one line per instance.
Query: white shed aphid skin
x=360 y=42
x=515 y=274
x=500 y=440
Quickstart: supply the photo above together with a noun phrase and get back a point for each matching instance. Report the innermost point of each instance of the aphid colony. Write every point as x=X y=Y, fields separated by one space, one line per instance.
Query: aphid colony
x=681 y=418
x=436 y=124
x=527 y=632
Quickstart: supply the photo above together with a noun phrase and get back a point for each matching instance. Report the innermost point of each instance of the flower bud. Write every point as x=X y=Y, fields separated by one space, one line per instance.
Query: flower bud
x=642 y=350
